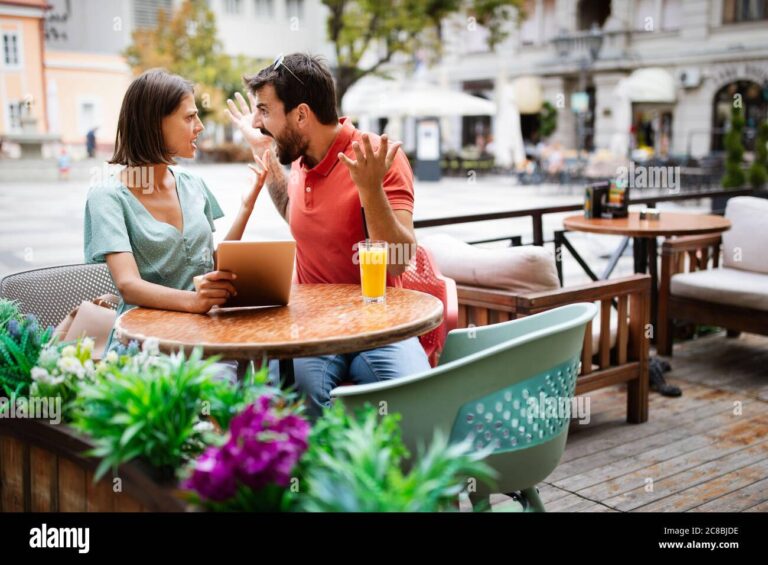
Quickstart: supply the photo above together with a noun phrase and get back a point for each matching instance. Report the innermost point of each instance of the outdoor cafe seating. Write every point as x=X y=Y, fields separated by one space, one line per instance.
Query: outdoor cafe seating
x=697 y=286
x=497 y=285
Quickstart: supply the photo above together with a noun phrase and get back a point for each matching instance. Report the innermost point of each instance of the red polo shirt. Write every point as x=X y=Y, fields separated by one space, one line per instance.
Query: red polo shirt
x=325 y=210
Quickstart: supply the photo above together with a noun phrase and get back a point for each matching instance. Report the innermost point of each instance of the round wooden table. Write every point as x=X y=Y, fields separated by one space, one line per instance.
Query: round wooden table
x=644 y=234
x=668 y=224
x=320 y=319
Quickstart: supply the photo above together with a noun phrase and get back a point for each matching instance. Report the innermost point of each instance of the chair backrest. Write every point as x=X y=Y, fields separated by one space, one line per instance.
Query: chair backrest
x=423 y=275
x=745 y=243
x=51 y=293
x=499 y=392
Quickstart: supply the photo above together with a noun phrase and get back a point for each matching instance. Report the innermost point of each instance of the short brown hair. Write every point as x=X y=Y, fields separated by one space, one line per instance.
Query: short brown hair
x=318 y=90
x=151 y=96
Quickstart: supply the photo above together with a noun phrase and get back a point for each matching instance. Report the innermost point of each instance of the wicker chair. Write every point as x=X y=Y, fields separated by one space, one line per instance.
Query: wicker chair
x=423 y=275
x=52 y=293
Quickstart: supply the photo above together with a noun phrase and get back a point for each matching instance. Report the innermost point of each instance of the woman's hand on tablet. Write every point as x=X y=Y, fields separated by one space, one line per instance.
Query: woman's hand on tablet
x=212 y=289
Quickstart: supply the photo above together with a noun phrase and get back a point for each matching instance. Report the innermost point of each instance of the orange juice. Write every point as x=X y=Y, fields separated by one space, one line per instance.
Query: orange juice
x=373 y=270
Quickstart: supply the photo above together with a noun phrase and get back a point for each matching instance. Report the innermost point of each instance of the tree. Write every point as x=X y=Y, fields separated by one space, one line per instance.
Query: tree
x=548 y=120
x=758 y=172
x=359 y=28
x=185 y=43
x=734 y=151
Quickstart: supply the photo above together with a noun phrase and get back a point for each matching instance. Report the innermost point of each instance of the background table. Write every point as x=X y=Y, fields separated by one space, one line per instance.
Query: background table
x=644 y=234
x=320 y=319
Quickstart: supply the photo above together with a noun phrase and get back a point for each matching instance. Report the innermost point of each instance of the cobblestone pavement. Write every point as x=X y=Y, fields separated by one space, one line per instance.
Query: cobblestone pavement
x=41 y=223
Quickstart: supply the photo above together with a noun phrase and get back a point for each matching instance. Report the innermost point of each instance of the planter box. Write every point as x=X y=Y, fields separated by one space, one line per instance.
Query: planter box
x=43 y=469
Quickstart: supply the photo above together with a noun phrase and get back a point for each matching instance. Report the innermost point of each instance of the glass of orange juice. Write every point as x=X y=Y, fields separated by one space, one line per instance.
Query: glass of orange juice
x=372 y=255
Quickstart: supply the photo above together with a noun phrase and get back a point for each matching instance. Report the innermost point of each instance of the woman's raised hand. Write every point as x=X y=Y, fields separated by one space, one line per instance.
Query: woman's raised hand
x=260 y=171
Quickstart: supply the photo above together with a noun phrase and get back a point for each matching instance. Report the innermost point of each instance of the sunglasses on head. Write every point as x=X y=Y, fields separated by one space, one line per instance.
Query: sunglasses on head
x=280 y=62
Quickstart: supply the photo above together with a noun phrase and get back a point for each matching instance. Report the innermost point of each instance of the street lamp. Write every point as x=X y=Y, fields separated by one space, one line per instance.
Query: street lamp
x=587 y=44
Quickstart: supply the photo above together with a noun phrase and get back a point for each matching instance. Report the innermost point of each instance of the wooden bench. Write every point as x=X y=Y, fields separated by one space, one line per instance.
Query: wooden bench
x=690 y=255
x=625 y=361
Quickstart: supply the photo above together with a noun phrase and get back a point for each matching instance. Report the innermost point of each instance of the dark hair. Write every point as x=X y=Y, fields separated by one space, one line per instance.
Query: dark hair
x=318 y=90
x=151 y=96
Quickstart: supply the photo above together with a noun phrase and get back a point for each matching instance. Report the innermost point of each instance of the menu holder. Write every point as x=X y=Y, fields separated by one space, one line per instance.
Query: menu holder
x=595 y=198
x=617 y=203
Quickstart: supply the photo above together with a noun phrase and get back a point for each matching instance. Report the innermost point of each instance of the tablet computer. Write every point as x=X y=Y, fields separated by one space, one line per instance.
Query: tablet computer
x=264 y=271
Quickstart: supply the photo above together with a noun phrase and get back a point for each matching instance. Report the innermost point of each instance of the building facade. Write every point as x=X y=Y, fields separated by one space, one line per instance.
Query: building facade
x=264 y=28
x=22 y=76
x=62 y=59
x=660 y=74
x=85 y=70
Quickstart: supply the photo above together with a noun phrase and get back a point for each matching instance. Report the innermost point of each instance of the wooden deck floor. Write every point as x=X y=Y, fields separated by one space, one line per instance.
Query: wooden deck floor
x=705 y=451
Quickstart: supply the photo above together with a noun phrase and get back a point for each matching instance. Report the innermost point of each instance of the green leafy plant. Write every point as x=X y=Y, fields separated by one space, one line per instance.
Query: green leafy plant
x=9 y=310
x=185 y=42
x=150 y=411
x=224 y=400
x=758 y=172
x=734 y=151
x=21 y=340
x=355 y=463
x=547 y=119
x=366 y=35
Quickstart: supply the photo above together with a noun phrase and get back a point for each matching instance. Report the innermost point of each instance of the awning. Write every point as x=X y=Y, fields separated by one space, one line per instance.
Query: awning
x=652 y=84
x=388 y=98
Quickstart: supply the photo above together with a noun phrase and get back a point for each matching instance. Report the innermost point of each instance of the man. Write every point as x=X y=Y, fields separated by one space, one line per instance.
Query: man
x=336 y=173
x=90 y=142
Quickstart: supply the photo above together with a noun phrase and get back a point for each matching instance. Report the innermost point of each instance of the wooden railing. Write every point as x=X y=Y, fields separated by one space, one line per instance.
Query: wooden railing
x=537 y=214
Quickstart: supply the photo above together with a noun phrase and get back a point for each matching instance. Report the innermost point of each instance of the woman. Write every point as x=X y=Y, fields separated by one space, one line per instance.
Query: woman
x=153 y=225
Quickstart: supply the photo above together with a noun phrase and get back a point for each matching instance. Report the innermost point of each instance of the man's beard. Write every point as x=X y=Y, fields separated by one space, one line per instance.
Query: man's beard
x=290 y=147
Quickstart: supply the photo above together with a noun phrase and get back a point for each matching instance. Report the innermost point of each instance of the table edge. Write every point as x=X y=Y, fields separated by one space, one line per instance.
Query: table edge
x=607 y=230
x=288 y=350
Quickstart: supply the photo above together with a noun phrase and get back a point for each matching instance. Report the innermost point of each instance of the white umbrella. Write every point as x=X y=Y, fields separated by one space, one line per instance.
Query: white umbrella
x=508 y=137
x=386 y=98
x=622 y=118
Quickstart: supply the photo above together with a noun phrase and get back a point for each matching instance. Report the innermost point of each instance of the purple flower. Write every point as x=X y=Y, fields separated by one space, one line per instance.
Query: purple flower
x=212 y=478
x=263 y=448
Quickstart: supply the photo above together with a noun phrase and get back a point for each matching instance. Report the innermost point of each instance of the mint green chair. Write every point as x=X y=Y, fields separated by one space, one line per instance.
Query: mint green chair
x=497 y=385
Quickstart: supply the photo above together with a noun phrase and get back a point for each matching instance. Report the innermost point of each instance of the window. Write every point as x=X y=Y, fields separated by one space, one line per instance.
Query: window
x=645 y=14
x=88 y=114
x=529 y=26
x=11 y=49
x=145 y=11
x=549 y=20
x=672 y=14
x=233 y=6
x=264 y=8
x=754 y=98
x=14 y=116
x=593 y=13
x=736 y=11
x=295 y=9
x=476 y=40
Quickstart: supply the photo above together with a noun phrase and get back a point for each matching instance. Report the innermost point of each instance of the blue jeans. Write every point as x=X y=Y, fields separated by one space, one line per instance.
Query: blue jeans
x=317 y=376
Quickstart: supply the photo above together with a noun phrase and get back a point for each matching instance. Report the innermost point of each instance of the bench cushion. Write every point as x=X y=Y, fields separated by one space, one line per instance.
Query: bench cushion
x=723 y=286
x=745 y=244
x=520 y=269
